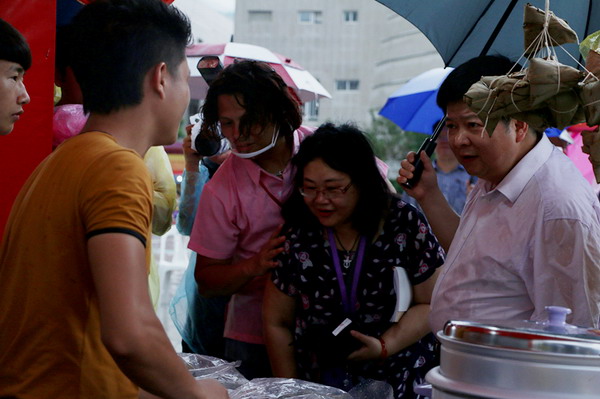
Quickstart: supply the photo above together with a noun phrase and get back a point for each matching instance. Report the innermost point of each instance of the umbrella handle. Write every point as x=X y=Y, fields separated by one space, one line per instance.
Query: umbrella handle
x=428 y=146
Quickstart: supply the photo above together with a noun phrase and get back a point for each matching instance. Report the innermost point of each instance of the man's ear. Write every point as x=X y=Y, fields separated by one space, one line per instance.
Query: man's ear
x=158 y=78
x=521 y=130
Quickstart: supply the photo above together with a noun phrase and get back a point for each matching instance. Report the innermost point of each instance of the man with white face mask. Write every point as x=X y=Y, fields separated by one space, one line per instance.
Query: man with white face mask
x=236 y=233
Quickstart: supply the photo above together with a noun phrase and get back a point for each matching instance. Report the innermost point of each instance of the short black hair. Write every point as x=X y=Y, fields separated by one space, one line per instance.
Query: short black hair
x=13 y=46
x=346 y=149
x=63 y=52
x=260 y=91
x=458 y=82
x=116 y=42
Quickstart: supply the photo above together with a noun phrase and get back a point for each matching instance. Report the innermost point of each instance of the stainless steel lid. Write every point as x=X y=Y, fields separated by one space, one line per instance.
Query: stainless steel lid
x=554 y=335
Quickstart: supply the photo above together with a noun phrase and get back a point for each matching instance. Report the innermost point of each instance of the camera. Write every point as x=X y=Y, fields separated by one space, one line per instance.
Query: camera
x=205 y=143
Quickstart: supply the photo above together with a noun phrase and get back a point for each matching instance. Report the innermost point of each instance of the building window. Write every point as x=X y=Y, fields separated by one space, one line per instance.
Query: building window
x=309 y=17
x=351 y=16
x=346 y=84
x=311 y=110
x=260 y=16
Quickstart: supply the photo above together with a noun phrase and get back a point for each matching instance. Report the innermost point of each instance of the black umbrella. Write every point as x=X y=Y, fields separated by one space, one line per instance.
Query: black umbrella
x=463 y=29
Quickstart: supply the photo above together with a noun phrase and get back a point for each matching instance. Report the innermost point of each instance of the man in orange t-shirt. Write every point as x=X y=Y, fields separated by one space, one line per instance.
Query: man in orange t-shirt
x=77 y=321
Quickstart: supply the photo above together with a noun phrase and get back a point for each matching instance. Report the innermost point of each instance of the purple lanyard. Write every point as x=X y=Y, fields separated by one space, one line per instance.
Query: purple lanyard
x=338 y=270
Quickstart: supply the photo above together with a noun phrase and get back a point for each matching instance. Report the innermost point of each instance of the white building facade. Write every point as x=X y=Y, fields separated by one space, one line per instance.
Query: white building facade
x=358 y=49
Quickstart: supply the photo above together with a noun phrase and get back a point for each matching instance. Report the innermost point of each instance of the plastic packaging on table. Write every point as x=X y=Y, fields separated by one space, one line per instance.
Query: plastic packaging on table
x=274 y=388
x=202 y=367
x=372 y=389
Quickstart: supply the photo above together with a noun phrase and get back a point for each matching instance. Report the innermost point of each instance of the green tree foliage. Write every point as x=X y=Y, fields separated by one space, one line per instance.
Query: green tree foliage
x=391 y=143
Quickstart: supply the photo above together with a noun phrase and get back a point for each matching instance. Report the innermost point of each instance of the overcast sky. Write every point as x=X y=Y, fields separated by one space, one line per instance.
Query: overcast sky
x=212 y=20
x=226 y=7
x=223 y=6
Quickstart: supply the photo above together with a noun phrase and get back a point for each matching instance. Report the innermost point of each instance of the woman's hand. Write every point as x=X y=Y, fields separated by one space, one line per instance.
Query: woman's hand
x=370 y=350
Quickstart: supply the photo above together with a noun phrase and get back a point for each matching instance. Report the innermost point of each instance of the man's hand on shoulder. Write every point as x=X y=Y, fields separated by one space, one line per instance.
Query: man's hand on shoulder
x=265 y=259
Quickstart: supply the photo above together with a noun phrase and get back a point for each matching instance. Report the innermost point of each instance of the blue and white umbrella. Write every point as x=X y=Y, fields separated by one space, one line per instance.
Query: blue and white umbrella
x=413 y=106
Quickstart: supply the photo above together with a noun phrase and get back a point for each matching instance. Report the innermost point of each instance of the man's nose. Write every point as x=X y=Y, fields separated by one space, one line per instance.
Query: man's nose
x=235 y=131
x=460 y=138
x=23 y=96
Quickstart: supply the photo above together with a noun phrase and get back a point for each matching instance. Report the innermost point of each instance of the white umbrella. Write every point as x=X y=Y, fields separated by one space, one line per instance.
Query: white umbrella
x=306 y=86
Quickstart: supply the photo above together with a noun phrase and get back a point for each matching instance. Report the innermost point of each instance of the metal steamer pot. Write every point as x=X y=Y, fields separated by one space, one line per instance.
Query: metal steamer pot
x=524 y=360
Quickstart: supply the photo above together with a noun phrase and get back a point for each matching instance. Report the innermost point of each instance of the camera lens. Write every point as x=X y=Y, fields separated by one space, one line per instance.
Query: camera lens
x=207 y=146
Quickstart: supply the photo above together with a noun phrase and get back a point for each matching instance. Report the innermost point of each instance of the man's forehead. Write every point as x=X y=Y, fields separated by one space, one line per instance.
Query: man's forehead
x=459 y=110
x=11 y=67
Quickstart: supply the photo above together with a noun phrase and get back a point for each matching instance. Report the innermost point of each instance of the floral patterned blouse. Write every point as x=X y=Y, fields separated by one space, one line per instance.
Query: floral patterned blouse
x=306 y=272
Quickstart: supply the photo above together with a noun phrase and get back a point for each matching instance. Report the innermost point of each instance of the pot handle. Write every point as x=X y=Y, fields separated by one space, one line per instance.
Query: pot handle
x=557 y=316
x=424 y=390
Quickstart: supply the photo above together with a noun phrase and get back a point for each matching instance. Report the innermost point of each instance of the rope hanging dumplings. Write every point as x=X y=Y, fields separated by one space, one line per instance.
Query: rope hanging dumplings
x=546 y=93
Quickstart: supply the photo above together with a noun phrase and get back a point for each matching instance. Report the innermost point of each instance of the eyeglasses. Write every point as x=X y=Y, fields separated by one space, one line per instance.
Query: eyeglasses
x=328 y=193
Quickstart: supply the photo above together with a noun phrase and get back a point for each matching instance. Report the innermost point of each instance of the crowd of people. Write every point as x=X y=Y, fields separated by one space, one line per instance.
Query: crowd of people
x=300 y=241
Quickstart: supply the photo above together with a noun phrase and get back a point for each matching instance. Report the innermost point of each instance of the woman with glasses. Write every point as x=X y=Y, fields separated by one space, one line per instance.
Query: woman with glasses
x=347 y=237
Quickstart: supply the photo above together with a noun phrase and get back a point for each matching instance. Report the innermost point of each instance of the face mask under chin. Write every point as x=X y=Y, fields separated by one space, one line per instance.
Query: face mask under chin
x=247 y=155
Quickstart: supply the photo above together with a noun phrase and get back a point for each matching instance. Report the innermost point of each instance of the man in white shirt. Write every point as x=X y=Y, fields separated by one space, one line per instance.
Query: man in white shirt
x=529 y=235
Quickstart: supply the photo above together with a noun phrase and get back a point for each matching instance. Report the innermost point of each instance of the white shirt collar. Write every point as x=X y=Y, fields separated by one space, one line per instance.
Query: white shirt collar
x=514 y=182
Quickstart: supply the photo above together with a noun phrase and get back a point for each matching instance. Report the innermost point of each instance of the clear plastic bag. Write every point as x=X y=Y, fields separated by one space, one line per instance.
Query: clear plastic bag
x=202 y=367
x=274 y=388
x=370 y=389
x=199 y=320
